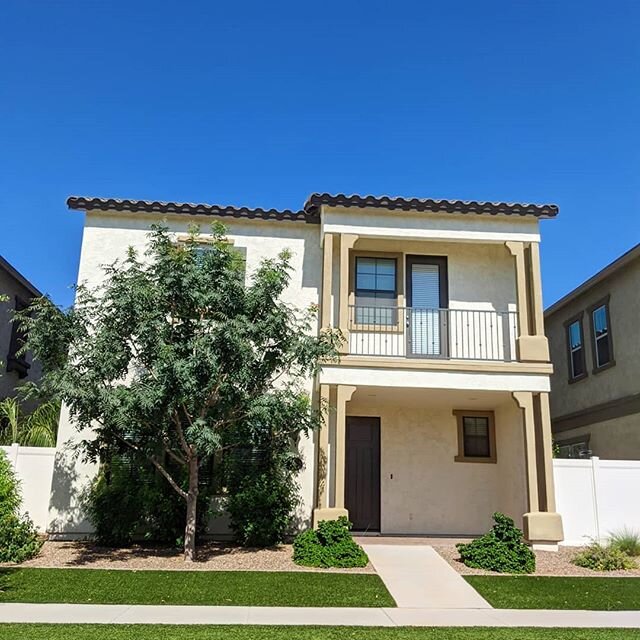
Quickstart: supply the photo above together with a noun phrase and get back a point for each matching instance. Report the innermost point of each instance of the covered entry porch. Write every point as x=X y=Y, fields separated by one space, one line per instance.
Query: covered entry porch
x=404 y=461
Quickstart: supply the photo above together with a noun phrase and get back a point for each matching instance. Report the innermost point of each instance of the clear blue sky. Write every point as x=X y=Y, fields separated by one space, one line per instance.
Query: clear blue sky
x=262 y=103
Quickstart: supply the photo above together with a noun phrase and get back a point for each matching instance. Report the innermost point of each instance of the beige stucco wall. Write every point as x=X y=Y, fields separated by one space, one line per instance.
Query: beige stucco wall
x=106 y=239
x=616 y=382
x=481 y=275
x=407 y=225
x=429 y=492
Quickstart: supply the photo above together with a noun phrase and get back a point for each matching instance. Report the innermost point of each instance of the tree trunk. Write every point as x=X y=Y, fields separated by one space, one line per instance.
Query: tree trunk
x=192 y=503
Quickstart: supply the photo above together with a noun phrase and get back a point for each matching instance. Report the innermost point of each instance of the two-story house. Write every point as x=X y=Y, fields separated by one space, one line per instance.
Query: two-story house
x=17 y=368
x=595 y=348
x=439 y=406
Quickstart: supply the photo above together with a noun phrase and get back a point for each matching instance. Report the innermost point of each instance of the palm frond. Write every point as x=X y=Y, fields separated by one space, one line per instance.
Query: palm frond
x=10 y=418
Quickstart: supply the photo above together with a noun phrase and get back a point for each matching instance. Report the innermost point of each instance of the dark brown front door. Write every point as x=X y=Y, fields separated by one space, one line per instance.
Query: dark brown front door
x=362 y=478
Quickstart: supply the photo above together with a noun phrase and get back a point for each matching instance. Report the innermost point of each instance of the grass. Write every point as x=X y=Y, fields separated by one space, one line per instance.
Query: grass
x=257 y=588
x=627 y=541
x=533 y=592
x=152 y=632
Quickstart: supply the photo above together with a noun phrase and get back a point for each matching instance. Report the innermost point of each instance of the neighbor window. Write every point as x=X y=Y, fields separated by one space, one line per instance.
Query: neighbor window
x=375 y=289
x=575 y=350
x=573 y=448
x=601 y=335
x=17 y=362
x=476 y=436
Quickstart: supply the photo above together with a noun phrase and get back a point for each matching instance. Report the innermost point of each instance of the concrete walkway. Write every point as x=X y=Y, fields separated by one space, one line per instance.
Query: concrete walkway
x=418 y=577
x=190 y=615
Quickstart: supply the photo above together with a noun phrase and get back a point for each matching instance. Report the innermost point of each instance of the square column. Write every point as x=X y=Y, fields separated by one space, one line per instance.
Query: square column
x=330 y=503
x=542 y=526
x=347 y=241
x=532 y=343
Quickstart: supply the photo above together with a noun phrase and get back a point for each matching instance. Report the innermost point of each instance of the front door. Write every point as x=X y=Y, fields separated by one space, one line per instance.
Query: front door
x=362 y=477
x=427 y=302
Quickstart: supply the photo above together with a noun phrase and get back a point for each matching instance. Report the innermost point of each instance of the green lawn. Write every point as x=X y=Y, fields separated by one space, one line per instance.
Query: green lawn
x=258 y=588
x=151 y=632
x=533 y=592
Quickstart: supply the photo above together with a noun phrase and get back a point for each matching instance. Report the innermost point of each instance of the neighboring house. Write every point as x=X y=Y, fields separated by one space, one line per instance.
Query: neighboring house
x=594 y=337
x=15 y=369
x=440 y=402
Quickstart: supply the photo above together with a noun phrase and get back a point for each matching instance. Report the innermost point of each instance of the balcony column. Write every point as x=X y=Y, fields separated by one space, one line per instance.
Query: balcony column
x=532 y=343
x=347 y=241
x=326 y=302
x=542 y=526
x=332 y=449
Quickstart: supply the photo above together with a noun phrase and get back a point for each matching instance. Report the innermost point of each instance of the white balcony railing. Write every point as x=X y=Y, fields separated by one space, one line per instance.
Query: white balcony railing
x=410 y=332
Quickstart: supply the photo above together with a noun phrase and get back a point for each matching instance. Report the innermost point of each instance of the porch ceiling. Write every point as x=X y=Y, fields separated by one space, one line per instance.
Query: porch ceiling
x=421 y=398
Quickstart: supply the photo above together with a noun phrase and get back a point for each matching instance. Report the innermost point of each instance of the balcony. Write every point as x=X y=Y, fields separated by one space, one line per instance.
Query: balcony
x=411 y=332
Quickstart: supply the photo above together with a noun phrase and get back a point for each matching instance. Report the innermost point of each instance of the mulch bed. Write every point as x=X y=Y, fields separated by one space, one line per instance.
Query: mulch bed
x=548 y=563
x=212 y=556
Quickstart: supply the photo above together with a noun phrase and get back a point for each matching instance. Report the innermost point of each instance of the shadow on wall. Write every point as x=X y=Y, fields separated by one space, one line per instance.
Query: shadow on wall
x=65 y=502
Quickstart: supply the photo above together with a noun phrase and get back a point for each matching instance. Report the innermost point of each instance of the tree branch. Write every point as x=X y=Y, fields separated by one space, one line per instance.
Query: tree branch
x=166 y=474
x=156 y=464
x=183 y=441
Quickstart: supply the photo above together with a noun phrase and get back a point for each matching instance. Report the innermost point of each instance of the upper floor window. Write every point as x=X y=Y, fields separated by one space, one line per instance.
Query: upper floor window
x=376 y=290
x=575 y=349
x=601 y=335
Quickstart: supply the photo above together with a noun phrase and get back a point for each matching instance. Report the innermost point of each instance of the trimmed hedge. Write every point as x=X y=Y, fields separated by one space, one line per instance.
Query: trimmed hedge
x=331 y=545
x=501 y=550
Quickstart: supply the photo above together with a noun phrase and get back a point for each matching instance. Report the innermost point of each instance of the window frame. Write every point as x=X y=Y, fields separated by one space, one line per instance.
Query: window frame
x=460 y=415
x=603 y=302
x=575 y=440
x=16 y=363
x=578 y=317
x=397 y=301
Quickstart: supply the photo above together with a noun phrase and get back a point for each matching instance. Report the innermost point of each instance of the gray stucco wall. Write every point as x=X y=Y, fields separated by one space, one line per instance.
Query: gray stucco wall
x=619 y=381
x=10 y=380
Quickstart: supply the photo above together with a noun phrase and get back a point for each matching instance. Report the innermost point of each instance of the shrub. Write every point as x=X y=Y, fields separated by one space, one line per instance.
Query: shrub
x=330 y=545
x=627 y=541
x=261 y=509
x=600 y=557
x=129 y=501
x=19 y=539
x=501 y=549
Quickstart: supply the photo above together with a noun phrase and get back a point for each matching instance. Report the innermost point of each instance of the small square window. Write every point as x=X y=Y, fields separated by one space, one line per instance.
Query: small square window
x=476 y=436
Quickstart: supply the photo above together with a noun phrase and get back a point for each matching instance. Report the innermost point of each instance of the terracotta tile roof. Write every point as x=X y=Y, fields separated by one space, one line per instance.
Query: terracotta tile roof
x=314 y=202
x=147 y=206
x=311 y=211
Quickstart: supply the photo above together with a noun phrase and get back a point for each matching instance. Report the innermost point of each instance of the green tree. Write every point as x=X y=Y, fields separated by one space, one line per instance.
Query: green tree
x=173 y=350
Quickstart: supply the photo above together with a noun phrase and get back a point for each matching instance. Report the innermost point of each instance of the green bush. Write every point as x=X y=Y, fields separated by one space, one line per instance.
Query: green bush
x=129 y=501
x=627 y=541
x=261 y=509
x=330 y=545
x=501 y=550
x=19 y=539
x=600 y=557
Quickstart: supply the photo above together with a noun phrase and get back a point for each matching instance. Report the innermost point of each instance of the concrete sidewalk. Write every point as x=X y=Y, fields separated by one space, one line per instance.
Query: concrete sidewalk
x=418 y=577
x=195 y=615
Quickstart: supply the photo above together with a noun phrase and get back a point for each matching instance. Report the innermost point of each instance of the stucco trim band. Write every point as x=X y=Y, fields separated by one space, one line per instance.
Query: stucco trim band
x=618 y=408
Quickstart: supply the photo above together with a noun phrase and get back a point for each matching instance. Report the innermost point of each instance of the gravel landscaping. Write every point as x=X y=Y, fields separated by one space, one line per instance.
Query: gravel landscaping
x=548 y=563
x=212 y=556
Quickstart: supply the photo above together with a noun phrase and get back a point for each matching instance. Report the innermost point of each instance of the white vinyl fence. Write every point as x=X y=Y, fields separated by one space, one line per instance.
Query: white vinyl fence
x=597 y=497
x=34 y=468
